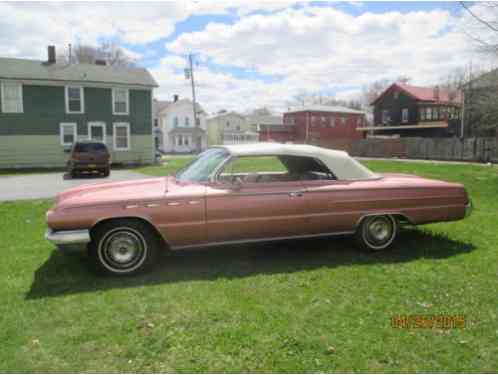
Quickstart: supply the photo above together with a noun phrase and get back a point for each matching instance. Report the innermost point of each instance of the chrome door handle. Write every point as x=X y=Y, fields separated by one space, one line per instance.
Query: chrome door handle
x=296 y=193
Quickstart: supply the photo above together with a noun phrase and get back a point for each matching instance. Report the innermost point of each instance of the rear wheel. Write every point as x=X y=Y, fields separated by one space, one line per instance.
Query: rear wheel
x=123 y=247
x=106 y=172
x=377 y=232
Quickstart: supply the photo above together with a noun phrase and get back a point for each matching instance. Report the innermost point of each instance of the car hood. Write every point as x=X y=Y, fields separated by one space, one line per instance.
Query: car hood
x=112 y=192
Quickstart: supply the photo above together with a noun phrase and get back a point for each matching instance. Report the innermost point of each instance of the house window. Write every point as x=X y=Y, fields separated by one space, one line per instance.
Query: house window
x=11 y=97
x=428 y=113
x=187 y=121
x=121 y=136
x=343 y=121
x=422 y=113
x=197 y=121
x=386 y=117
x=120 y=101
x=156 y=122
x=68 y=133
x=227 y=124
x=404 y=115
x=175 y=121
x=182 y=140
x=96 y=131
x=75 y=99
x=435 y=113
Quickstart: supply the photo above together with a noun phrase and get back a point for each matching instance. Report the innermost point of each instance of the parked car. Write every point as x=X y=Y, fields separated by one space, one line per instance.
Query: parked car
x=89 y=157
x=246 y=193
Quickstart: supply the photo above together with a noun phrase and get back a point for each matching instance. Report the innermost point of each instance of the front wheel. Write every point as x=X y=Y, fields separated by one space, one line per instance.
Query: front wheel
x=123 y=247
x=377 y=232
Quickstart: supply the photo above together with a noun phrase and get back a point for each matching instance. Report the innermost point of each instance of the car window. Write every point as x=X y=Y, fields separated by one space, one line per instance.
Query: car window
x=252 y=164
x=90 y=147
x=307 y=168
x=280 y=168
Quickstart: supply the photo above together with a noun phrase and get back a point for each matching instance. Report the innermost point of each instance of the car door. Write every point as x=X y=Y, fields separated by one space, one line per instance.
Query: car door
x=332 y=206
x=254 y=211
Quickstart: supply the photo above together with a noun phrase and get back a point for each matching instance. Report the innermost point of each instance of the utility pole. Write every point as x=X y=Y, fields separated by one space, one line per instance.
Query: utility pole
x=189 y=73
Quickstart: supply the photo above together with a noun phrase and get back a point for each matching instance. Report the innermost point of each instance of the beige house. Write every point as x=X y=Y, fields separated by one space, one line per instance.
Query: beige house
x=230 y=128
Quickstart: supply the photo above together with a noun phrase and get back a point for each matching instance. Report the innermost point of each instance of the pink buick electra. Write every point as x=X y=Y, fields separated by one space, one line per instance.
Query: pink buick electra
x=246 y=193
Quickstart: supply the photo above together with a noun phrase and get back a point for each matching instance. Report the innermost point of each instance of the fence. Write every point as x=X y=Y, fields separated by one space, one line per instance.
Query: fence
x=469 y=149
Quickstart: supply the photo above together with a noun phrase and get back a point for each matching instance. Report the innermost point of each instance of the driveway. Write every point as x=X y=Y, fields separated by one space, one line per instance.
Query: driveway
x=47 y=185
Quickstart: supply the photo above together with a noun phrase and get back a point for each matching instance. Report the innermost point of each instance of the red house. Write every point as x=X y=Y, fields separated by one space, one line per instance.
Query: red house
x=325 y=125
x=272 y=129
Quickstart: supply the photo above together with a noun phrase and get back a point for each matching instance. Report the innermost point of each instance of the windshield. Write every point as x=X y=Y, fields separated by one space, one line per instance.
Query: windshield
x=90 y=147
x=201 y=168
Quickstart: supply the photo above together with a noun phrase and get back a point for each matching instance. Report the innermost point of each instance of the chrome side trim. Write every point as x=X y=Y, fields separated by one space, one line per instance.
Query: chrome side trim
x=68 y=237
x=267 y=239
x=380 y=213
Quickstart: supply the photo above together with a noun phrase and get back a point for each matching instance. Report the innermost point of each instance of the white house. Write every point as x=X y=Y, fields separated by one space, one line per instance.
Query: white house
x=176 y=122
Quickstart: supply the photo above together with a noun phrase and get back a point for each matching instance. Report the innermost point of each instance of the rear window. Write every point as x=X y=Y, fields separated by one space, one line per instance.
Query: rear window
x=90 y=147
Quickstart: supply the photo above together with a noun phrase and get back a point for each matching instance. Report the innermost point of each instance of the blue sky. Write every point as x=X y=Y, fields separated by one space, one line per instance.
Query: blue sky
x=256 y=53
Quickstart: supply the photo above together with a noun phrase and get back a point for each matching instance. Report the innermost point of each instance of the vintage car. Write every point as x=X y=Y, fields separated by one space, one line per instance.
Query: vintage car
x=246 y=193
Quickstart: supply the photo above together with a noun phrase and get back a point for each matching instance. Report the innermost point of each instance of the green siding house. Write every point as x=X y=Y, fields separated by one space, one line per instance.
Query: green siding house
x=46 y=106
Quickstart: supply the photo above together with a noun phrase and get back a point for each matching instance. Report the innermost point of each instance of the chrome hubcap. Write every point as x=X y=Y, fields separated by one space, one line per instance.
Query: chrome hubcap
x=379 y=231
x=122 y=249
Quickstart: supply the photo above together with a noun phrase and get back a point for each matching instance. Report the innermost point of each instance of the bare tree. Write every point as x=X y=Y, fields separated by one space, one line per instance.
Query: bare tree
x=85 y=54
x=263 y=111
x=483 y=27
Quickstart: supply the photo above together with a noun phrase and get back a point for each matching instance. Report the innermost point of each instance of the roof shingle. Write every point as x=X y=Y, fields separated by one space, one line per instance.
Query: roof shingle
x=39 y=70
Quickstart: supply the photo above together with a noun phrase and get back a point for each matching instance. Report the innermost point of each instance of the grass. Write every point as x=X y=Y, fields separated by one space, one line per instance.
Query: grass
x=304 y=306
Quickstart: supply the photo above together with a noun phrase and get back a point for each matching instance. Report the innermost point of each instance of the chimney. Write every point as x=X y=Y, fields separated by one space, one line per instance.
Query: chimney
x=436 y=92
x=51 y=54
x=175 y=98
x=100 y=62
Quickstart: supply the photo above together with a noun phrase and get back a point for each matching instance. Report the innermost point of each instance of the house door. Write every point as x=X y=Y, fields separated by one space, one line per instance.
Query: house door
x=199 y=143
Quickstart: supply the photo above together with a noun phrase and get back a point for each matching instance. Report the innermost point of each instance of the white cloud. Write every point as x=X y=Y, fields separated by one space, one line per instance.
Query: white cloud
x=26 y=28
x=305 y=48
x=317 y=48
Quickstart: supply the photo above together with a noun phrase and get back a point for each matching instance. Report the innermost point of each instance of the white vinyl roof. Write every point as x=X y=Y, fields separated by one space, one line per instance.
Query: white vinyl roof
x=339 y=162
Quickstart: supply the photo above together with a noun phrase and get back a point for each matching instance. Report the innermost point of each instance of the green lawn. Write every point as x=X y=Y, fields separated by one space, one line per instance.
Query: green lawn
x=304 y=306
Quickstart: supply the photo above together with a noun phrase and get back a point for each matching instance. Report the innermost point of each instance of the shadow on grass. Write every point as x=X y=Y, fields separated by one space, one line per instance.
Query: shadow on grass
x=62 y=274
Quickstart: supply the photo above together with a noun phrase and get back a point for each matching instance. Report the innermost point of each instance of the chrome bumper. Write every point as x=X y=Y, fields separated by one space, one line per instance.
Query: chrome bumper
x=69 y=240
x=468 y=208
